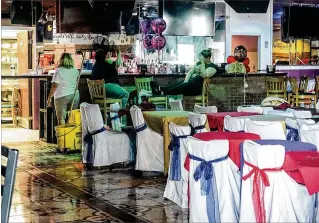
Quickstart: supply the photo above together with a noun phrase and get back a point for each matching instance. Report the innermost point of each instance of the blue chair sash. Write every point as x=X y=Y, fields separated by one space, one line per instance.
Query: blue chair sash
x=141 y=128
x=293 y=134
x=193 y=129
x=114 y=118
x=205 y=172
x=88 y=139
x=175 y=168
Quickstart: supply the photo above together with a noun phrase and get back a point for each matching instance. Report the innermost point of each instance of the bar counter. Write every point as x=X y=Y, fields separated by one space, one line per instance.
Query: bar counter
x=226 y=91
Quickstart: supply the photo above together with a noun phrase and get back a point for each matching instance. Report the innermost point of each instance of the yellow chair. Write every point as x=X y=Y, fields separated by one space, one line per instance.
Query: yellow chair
x=298 y=94
x=145 y=84
x=202 y=100
x=98 y=96
x=276 y=87
x=10 y=108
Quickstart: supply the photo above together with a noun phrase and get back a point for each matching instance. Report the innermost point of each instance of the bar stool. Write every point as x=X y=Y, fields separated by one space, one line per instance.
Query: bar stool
x=11 y=105
x=276 y=87
x=98 y=96
x=202 y=100
x=298 y=95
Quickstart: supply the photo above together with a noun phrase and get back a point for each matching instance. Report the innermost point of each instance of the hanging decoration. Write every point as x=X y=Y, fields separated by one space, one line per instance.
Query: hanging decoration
x=147 y=41
x=158 y=42
x=145 y=26
x=158 y=25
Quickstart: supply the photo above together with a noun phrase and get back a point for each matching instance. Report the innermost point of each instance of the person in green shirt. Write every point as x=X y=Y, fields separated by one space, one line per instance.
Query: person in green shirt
x=193 y=83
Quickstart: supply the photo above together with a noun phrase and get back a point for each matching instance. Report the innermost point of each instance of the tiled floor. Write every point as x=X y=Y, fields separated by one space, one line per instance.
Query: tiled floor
x=51 y=187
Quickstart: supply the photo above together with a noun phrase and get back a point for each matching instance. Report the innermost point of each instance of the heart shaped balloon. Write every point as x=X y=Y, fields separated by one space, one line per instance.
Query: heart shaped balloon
x=158 y=25
x=147 y=41
x=158 y=42
x=145 y=26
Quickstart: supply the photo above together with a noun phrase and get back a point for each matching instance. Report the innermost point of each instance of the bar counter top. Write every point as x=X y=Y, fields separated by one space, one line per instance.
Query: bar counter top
x=88 y=75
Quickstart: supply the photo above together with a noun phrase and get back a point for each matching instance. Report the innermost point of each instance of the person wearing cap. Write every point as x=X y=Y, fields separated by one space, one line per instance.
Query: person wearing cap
x=193 y=83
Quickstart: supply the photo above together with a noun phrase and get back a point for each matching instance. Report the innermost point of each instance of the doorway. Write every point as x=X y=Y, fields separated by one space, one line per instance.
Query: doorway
x=251 y=43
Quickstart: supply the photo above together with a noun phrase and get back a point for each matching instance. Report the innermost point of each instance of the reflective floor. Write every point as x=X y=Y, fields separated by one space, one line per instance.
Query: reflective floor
x=52 y=187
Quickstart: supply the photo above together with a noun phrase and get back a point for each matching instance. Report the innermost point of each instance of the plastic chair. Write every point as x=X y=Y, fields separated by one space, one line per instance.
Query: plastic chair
x=145 y=84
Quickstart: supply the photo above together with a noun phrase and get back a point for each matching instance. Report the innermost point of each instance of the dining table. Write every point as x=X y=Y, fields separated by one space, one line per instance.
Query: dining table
x=159 y=121
x=216 y=120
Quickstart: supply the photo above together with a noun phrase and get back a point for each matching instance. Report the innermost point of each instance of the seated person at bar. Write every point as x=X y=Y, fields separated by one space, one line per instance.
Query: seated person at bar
x=105 y=68
x=63 y=87
x=193 y=83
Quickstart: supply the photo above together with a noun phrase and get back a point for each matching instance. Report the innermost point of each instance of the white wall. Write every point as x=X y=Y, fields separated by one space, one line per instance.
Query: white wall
x=260 y=24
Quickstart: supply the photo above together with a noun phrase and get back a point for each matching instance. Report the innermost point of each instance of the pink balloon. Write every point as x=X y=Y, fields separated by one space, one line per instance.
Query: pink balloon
x=158 y=42
x=145 y=26
x=147 y=41
x=158 y=25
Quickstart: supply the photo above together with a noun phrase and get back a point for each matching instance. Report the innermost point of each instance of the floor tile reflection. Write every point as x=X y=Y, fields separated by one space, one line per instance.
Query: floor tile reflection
x=79 y=195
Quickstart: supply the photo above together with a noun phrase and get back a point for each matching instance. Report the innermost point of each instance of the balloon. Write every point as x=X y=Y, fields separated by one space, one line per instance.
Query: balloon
x=158 y=42
x=231 y=59
x=147 y=41
x=158 y=25
x=145 y=26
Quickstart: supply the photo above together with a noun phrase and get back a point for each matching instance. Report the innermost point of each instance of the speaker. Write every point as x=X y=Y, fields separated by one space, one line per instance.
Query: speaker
x=22 y=14
x=248 y=6
x=133 y=26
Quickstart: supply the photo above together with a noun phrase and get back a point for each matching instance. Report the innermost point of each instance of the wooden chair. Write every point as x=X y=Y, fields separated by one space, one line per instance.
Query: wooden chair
x=300 y=96
x=276 y=87
x=10 y=108
x=10 y=157
x=202 y=100
x=145 y=84
x=98 y=96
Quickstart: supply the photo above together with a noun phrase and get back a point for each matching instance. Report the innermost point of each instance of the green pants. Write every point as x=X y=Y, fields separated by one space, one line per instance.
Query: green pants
x=116 y=91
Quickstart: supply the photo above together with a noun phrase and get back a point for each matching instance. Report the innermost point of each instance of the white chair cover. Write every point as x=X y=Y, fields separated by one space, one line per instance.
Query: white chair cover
x=267 y=109
x=108 y=147
x=205 y=110
x=293 y=128
x=266 y=130
x=253 y=109
x=281 y=113
x=284 y=200
x=176 y=105
x=115 y=120
x=197 y=122
x=221 y=203
x=149 y=144
x=300 y=114
x=310 y=133
x=234 y=124
x=177 y=181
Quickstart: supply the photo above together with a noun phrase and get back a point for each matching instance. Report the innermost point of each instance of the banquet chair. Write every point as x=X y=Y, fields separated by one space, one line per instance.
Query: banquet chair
x=265 y=129
x=176 y=105
x=197 y=122
x=144 y=83
x=300 y=114
x=205 y=110
x=98 y=96
x=115 y=119
x=202 y=99
x=310 y=133
x=149 y=144
x=299 y=96
x=268 y=194
x=276 y=87
x=293 y=128
x=101 y=147
x=209 y=163
x=177 y=181
x=8 y=173
x=281 y=113
x=253 y=109
x=234 y=124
